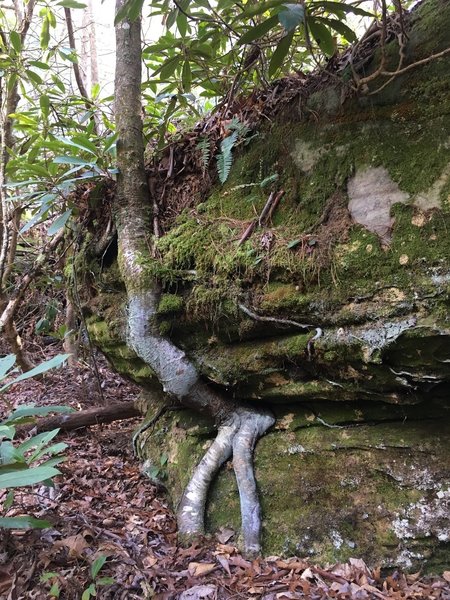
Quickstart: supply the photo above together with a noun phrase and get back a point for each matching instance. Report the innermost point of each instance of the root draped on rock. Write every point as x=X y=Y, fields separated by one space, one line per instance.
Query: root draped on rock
x=239 y=427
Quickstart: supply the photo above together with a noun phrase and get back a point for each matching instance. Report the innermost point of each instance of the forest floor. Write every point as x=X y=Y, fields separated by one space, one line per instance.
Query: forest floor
x=102 y=505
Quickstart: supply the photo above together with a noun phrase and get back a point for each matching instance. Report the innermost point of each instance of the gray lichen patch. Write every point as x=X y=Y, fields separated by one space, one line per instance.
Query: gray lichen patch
x=431 y=198
x=372 y=192
x=306 y=154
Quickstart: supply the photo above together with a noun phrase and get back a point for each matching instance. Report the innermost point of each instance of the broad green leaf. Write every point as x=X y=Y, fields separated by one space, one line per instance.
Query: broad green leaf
x=340 y=27
x=168 y=68
x=59 y=223
x=322 y=36
x=258 y=31
x=50 y=451
x=52 y=462
x=135 y=9
x=9 y=454
x=7 y=431
x=280 y=53
x=171 y=18
x=122 y=13
x=110 y=142
x=9 y=500
x=79 y=141
x=24 y=119
x=56 y=361
x=44 y=103
x=27 y=477
x=59 y=84
x=85 y=142
x=6 y=363
x=11 y=82
x=29 y=410
x=337 y=7
x=252 y=10
x=95 y=91
x=25 y=522
x=186 y=76
x=293 y=243
x=88 y=592
x=105 y=581
x=71 y=160
x=18 y=466
x=15 y=40
x=291 y=16
x=51 y=17
x=39 y=64
x=45 y=34
x=38 y=170
x=68 y=54
x=71 y=4
x=97 y=565
x=182 y=24
x=33 y=77
x=37 y=441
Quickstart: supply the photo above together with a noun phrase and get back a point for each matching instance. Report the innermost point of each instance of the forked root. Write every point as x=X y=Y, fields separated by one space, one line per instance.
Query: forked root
x=237 y=436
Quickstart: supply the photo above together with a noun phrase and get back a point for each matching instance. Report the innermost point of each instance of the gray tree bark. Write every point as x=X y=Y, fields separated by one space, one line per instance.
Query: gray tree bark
x=239 y=426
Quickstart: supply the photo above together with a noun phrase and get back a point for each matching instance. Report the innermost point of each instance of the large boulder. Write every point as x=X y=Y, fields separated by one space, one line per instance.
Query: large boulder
x=358 y=249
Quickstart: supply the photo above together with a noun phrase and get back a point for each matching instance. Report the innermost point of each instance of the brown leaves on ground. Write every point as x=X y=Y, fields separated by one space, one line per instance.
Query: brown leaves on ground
x=102 y=506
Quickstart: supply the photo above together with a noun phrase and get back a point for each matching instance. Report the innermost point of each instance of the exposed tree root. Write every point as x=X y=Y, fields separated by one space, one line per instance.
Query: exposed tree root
x=236 y=437
x=191 y=508
x=239 y=427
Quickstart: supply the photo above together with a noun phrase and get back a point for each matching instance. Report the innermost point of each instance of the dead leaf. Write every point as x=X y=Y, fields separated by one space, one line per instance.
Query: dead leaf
x=199 y=592
x=224 y=563
x=226 y=548
x=75 y=543
x=6 y=580
x=446 y=576
x=225 y=534
x=198 y=569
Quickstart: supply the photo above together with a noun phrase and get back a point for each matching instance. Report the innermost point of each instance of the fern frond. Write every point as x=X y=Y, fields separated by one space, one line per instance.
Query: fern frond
x=241 y=129
x=204 y=146
x=225 y=158
x=269 y=179
x=224 y=162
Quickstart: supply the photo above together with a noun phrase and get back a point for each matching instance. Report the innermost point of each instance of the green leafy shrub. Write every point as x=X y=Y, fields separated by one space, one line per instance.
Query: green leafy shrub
x=34 y=460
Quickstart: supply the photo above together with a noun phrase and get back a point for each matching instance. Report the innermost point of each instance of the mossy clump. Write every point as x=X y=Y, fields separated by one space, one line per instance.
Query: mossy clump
x=170 y=304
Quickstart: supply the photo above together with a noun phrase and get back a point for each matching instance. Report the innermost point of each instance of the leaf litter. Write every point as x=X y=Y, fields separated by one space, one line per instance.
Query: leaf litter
x=103 y=506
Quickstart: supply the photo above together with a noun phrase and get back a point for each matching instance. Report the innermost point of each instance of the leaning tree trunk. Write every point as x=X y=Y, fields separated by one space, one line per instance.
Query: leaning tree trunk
x=239 y=426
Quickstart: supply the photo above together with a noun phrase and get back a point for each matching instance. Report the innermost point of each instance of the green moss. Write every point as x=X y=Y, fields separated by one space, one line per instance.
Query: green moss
x=170 y=304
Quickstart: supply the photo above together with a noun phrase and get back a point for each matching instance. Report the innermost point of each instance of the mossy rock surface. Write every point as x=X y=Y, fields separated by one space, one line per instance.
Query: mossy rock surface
x=358 y=252
x=335 y=482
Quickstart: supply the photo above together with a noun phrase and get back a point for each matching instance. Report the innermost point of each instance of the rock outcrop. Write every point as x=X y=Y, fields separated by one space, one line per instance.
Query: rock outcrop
x=358 y=253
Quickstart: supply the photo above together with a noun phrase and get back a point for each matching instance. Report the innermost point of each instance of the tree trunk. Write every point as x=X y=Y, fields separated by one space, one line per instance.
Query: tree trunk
x=239 y=426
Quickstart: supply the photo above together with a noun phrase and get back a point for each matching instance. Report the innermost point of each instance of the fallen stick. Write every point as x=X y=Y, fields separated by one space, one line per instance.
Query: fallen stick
x=265 y=216
x=84 y=418
x=247 y=233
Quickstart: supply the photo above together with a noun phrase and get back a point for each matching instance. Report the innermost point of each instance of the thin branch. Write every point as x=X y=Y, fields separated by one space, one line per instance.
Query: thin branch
x=11 y=307
x=76 y=68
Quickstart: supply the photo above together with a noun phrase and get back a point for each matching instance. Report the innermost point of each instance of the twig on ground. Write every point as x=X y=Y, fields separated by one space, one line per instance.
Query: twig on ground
x=265 y=216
